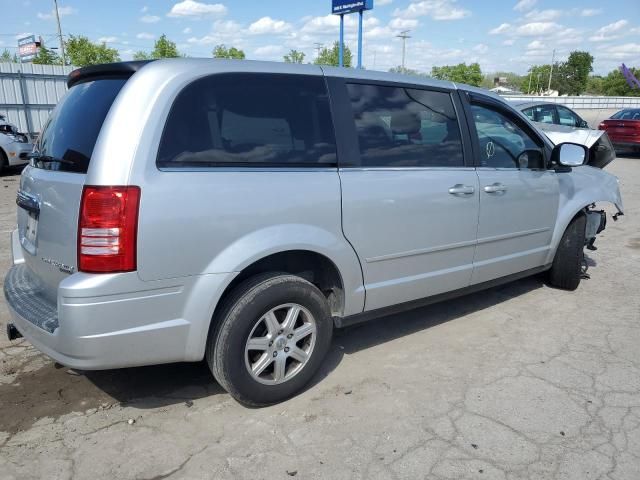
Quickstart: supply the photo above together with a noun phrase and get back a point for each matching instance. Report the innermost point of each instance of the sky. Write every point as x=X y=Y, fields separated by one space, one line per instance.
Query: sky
x=501 y=35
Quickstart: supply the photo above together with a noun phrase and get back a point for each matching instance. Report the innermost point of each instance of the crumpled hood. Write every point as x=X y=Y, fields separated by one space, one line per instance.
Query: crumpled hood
x=562 y=133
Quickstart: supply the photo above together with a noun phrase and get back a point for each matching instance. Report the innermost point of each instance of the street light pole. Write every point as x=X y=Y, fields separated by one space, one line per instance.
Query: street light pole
x=55 y=3
x=553 y=57
x=404 y=35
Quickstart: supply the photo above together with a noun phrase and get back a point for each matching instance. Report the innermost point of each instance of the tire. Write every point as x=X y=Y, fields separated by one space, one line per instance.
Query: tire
x=4 y=162
x=246 y=314
x=566 y=269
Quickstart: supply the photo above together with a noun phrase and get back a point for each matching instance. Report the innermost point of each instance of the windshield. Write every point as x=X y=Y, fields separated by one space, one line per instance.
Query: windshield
x=73 y=127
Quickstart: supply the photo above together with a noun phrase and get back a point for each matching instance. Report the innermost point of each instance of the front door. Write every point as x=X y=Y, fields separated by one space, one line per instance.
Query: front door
x=410 y=204
x=518 y=195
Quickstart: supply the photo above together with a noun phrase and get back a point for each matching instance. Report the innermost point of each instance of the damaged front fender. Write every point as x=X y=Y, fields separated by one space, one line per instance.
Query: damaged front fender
x=578 y=189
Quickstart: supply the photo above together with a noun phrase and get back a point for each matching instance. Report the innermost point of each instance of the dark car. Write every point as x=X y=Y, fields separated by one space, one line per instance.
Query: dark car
x=623 y=129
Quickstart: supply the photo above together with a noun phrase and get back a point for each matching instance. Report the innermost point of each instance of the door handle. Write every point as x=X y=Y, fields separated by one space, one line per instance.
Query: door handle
x=460 y=189
x=495 y=188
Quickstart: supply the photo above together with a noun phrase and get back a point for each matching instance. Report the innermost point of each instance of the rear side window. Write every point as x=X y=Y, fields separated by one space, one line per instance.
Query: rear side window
x=72 y=129
x=541 y=113
x=405 y=127
x=251 y=120
x=567 y=117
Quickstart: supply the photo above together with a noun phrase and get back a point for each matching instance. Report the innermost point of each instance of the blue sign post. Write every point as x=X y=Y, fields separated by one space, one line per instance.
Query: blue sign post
x=343 y=7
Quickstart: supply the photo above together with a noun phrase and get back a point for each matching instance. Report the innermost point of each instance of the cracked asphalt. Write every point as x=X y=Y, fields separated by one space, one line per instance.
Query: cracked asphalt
x=517 y=382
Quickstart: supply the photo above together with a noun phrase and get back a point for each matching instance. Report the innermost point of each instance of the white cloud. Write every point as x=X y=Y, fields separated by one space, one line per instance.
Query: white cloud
x=269 y=26
x=436 y=9
x=591 y=12
x=107 y=39
x=536 y=45
x=509 y=42
x=536 y=28
x=524 y=5
x=62 y=11
x=222 y=31
x=502 y=28
x=269 y=51
x=187 y=30
x=403 y=23
x=543 y=15
x=191 y=8
x=481 y=48
x=149 y=19
x=609 y=32
x=145 y=36
x=626 y=51
x=23 y=34
x=382 y=3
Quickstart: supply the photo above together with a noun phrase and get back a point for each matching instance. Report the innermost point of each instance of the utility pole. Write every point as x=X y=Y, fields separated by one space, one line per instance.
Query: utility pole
x=553 y=57
x=55 y=3
x=530 y=74
x=318 y=47
x=404 y=35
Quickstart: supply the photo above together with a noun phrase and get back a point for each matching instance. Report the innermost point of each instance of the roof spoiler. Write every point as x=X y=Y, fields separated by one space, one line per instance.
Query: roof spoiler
x=105 y=70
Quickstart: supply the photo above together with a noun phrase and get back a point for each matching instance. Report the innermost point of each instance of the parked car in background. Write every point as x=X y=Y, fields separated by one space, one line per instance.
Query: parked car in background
x=14 y=146
x=238 y=211
x=561 y=124
x=545 y=112
x=623 y=128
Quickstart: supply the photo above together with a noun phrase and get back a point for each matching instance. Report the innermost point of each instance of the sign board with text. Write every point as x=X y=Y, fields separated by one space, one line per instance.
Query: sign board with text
x=341 y=7
x=27 y=48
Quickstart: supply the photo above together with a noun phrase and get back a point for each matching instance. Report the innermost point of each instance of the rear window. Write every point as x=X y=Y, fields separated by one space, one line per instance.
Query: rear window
x=249 y=120
x=627 y=115
x=73 y=127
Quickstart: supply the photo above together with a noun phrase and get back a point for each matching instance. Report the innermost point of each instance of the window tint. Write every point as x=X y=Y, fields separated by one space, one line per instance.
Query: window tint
x=249 y=119
x=542 y=113
x=503 y=144
x=403 y=127
x=567 y=117
x=73 y=127
x=627 y=115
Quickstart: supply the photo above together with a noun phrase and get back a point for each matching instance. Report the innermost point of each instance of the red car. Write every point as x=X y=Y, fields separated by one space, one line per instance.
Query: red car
x=623 y=129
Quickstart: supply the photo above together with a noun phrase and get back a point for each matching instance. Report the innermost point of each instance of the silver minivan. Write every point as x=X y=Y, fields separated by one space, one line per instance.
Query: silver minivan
x=238 y=211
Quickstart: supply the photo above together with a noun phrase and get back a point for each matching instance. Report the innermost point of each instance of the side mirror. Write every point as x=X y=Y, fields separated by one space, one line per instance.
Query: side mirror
x=569 y=154
x=583 y=124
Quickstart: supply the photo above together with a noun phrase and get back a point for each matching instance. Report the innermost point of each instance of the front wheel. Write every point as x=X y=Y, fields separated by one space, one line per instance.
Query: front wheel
x=270 y=338
x=566 y=269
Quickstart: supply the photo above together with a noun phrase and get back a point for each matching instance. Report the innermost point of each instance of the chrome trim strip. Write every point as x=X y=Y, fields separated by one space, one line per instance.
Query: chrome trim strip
x=408 y=169
x=248 y=169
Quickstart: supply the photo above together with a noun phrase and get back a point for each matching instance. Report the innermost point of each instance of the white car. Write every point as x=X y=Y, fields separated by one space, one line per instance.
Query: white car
x=15 y=147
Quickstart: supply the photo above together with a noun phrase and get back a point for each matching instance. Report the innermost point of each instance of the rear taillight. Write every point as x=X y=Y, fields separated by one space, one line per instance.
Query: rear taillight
x=602 y=126
x=107 y=229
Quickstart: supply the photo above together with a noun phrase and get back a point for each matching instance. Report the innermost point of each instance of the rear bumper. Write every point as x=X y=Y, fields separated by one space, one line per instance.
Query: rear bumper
x=113 y=321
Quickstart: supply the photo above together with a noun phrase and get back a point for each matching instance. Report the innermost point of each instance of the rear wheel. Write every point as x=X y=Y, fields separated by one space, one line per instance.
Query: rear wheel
x=4 y=162
x=270 y=338
x=566 y=269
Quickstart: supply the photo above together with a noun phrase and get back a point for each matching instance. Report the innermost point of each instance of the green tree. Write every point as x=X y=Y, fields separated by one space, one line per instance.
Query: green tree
x=615 y=85
x=140 y=55
x=537 y=79
x=46 y=57
x=330 y=56
x=573 y=74
x=404 y=71
x=461 y=73
x=221 y=51
x=7 y=56
x=595 y=85
x=294 y=56
x=164 y=48
x=81 y=52
x=513 y=79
